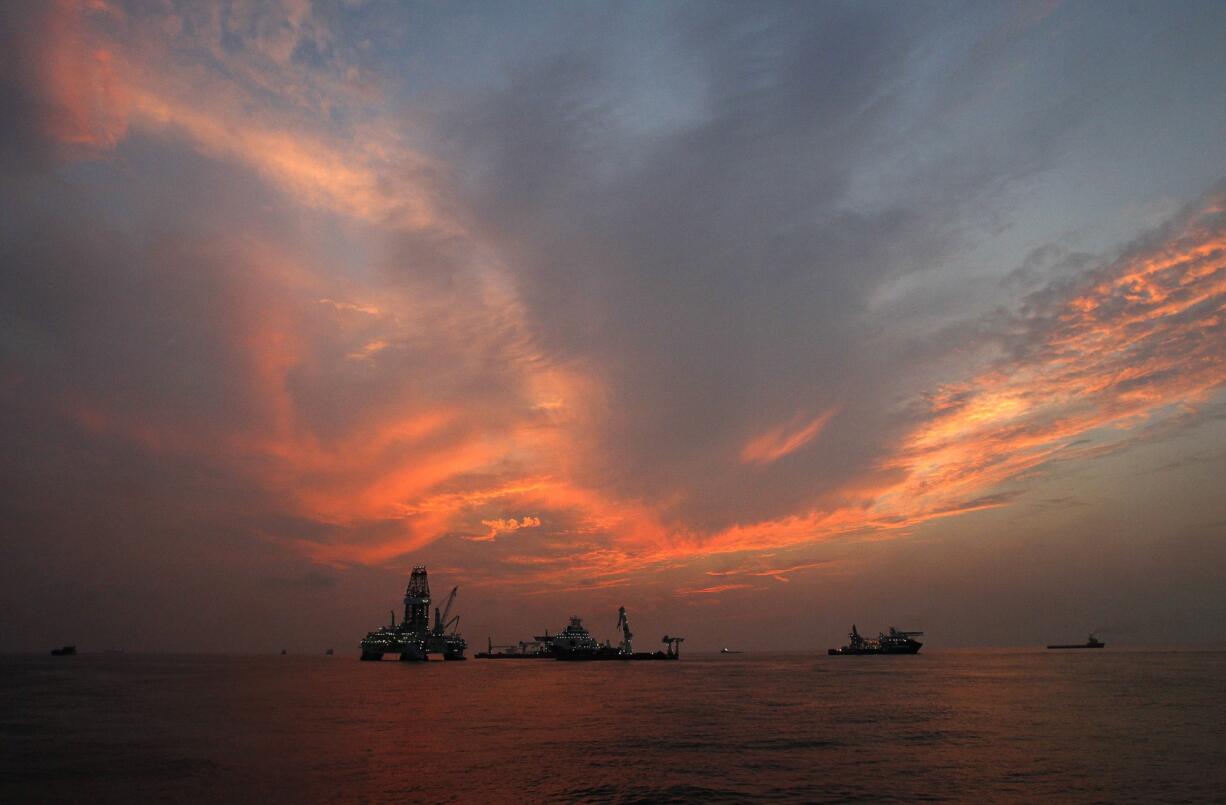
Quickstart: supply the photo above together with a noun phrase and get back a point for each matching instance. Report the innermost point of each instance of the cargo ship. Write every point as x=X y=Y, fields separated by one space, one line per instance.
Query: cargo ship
x=895 y=642
x=1091 y=642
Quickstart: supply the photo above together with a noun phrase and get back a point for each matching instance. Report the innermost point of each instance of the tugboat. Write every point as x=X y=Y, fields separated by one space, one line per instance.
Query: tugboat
x=726 y=650
x=895 y=642
x=1091 y=642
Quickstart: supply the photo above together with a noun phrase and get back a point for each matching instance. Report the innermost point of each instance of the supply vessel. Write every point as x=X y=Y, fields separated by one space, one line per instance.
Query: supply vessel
x=414 y=639
x=576 y=644
x=895 y=642
x=1091 y=642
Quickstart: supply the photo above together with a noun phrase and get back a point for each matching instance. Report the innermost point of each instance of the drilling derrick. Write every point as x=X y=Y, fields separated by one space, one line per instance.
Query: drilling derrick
x=417 y=603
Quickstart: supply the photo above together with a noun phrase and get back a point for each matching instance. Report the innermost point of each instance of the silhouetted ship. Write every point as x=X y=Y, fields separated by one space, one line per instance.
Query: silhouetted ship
x=538 y=648
x=64 y=651
x=414 y=639
x=730 y=651
x=576 y=644
x=1091 y=642
x=895 y=642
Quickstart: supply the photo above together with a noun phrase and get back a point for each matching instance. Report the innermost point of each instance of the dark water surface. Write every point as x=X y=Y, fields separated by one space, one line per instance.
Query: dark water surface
x=1107 y=725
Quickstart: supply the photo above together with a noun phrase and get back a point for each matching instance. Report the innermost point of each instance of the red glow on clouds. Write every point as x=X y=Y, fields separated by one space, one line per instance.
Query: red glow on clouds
x=1139 y=344
x=777 y=442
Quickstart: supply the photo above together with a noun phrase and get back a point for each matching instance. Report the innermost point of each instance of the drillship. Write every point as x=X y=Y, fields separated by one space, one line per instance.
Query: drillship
x=895 y=642
x=414 y=639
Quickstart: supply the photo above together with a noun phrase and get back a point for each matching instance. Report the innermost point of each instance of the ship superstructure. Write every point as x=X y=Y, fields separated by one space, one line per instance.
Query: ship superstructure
x=414 y=638
x=894 y=642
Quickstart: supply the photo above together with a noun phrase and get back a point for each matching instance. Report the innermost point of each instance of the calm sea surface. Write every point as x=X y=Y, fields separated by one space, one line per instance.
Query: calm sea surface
x=1107 y=725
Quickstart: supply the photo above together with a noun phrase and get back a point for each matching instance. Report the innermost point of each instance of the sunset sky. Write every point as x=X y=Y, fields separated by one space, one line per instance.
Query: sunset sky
x=755 y=318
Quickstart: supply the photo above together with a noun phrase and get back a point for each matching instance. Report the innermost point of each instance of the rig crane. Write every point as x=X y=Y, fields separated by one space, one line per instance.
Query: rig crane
x=441 y=624
x=623 y=623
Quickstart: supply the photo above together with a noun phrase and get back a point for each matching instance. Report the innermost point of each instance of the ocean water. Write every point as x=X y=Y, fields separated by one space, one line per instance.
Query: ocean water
x=980 y=726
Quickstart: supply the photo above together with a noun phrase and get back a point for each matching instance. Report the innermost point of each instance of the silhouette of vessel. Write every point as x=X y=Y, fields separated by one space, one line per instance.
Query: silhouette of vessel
x=895 y=642
x=414 y=639
x=538 y=648
x=726 y=650
x=576 y=644
x=64 y=651
x=1091 y=642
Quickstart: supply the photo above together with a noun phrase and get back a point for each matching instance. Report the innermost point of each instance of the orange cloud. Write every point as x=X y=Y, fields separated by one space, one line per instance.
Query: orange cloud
x=783 y=439
x=86 y=102
x=719 y=588
x=506 y=526
x=1138 y=344
x=101 y=75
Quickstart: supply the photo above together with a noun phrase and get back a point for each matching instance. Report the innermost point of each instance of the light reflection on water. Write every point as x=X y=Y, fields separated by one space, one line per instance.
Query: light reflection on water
x=1104 y=725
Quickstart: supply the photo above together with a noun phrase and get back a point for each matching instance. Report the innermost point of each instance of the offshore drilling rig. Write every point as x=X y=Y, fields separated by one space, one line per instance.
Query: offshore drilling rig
x=414 y=639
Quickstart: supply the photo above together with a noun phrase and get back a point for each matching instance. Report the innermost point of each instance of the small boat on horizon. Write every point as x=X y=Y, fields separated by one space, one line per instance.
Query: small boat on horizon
x=727 y=650
x=64 y=651
x=1091 y=642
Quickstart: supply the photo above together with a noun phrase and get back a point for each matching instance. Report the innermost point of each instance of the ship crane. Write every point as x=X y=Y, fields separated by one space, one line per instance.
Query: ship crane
x=441 y=624
x=623 y=623
x=674 y=645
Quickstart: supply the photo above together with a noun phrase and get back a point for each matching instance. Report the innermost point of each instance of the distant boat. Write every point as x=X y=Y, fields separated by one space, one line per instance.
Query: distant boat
x=283 y=652
x=895 y=642
x=730 y=651
x=66 y=651
x=328 y=653
x=1091 y=642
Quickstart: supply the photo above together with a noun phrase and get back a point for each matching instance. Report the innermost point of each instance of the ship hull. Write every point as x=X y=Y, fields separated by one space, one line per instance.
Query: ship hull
x=847 y=650
x=1082 y=645
x=614 y=656
x=485 y=655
